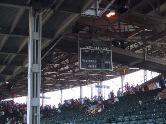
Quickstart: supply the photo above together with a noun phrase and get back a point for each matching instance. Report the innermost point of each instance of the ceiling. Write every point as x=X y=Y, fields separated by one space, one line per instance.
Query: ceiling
x=136 y=35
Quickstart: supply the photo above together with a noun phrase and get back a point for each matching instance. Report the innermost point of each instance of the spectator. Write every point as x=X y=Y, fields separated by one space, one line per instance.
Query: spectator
x=146 y=88
x=119 y=93
x=111 y=96
x=140 y=102
x=25 y=118
x=116 y=99
x=127 y=87
x=137 y=88
x=132 y=89
x=162 y=82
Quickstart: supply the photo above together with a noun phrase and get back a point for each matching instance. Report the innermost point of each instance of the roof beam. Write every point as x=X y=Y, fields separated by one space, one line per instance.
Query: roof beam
x=152 y=38
x=12 y=53
x=19 y=35
x=151 y=60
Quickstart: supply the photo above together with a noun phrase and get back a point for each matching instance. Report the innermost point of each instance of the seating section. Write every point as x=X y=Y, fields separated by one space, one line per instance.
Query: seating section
x=138 y=108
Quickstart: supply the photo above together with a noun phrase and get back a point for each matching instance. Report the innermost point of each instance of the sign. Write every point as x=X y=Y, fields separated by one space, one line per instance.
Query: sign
x=102 y=86
x=45 y=97
x=95 y=59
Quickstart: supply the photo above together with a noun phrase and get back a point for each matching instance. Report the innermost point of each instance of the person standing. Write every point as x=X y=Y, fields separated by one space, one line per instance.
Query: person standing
x=119 y=93
x=25 y=118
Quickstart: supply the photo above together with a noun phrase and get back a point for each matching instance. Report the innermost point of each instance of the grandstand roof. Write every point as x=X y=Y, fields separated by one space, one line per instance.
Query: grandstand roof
x=139 y=25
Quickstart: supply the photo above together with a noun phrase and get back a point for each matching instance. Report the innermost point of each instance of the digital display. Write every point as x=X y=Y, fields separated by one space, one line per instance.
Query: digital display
x=95 y=59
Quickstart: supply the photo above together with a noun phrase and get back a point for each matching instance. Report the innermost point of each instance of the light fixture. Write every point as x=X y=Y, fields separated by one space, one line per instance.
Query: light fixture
x=111 y=13
x=109 y=75
x=61 y=79
x=83 y=80
x=134 y=68
x=93 y=74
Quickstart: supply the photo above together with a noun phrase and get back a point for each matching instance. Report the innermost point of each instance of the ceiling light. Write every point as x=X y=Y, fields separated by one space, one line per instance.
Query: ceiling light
x=93 y=74
x=95 y=81
x=134 y=68
x=61 y=79
x=82 y=80
x=109 y=75
x=111 y=13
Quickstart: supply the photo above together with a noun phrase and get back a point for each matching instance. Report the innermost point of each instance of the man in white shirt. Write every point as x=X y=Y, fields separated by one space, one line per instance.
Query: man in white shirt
x=119 y=93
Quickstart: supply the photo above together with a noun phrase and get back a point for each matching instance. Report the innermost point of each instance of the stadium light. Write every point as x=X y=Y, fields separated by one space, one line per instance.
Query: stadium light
x=110 y=14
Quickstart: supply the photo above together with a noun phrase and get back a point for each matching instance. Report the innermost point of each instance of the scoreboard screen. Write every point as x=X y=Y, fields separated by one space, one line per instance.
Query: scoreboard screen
x=95 y=59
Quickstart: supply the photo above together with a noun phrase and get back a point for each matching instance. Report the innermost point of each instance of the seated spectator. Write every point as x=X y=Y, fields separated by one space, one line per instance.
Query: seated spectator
x=161 y=95
x=140 y=102
x=116 y=100
x=146 y=88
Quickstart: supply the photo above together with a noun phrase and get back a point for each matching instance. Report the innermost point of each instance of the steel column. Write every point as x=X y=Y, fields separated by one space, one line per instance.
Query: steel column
x=61 y=96
x=91 y=91
x=122 y=82
x=34 y=67
x=81 y=92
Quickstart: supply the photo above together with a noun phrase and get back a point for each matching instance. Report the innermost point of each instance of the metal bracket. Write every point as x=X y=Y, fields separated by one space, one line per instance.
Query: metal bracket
x=34 y=102
x=35 y=68
x=36 y=36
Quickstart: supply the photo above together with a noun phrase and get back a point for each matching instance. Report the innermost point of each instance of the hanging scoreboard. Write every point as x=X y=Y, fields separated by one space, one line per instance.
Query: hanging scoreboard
x=95 y=59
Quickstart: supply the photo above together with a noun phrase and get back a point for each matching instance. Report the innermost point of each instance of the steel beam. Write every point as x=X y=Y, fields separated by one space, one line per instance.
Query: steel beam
x=34 y=67
x=18 y=35
x=12 y=53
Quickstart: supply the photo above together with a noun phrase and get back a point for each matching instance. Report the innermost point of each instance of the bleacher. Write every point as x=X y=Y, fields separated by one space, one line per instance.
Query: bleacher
x=138 y=108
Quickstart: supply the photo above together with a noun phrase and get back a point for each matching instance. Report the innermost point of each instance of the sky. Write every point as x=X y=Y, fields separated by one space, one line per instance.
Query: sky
x=54 y=98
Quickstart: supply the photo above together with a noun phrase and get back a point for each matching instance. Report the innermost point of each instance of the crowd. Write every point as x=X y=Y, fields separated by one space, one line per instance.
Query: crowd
x=13 y=113
x=128 y=89
x=89 y=106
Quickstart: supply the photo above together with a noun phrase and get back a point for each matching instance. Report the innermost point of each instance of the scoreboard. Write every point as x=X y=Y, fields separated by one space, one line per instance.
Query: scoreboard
x=95 y=59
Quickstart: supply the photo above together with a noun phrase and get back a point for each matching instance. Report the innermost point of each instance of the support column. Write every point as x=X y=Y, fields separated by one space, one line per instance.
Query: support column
x=43 y=97
x=61 y=96
x=145 y=75
x=42 y=88
x=122 y=82
x=34 y=67
x=145 y=71
x=91 y=91
x=99 y=90
x=81 y=92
